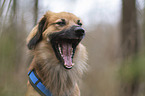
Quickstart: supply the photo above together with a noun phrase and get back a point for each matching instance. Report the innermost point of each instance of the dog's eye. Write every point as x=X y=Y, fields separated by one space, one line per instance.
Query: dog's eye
x=79 y=23
x=61 y=23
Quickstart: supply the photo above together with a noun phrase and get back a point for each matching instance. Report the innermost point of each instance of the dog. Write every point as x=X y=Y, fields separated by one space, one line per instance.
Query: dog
x=59 y=58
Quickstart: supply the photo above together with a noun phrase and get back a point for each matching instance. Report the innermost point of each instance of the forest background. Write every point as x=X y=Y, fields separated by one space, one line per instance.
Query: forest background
x=115 y=39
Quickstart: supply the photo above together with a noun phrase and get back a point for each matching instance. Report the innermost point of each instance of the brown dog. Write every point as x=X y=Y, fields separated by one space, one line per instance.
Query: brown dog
x=59 y=57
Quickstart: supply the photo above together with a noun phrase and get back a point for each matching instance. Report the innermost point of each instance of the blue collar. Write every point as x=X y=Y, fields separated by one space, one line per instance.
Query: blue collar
x=37 y=84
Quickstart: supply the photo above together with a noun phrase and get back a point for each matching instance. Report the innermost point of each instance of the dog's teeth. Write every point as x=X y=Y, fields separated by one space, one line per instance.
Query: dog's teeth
x=72 y=51
x=59 y=48
x=65 y=64
x=73 y=64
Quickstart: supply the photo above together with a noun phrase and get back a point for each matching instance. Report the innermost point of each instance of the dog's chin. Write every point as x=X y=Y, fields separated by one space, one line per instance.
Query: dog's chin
x=64 y=49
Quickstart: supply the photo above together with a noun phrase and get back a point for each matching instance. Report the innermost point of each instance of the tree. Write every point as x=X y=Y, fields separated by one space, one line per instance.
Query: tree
x=35 y=11
x=129 y=42
x=129 y=32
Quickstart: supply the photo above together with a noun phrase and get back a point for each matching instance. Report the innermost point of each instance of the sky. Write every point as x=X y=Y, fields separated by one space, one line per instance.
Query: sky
x=96 y=10
x=81 y=6
x=90 y=11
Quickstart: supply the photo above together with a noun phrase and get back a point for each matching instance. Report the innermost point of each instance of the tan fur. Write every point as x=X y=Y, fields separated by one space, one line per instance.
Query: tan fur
x=60 y=81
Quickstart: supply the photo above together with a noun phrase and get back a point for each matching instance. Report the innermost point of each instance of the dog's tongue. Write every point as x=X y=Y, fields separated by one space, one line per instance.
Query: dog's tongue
x=67 y=50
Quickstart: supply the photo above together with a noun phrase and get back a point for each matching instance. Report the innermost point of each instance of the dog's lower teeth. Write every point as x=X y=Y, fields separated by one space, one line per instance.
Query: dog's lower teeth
x=72 y=51
x=59 y=49
x=65 y=64
x=69 y=66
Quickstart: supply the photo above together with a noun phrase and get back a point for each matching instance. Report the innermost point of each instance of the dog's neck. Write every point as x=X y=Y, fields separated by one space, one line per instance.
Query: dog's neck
x=58 y=80
x=55 y=77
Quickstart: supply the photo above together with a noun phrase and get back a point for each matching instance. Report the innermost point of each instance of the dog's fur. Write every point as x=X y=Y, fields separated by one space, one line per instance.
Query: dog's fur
x=59 y=80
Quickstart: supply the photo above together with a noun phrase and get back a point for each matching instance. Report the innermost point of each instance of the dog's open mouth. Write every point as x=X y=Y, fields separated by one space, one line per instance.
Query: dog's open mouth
x=65 y=50
x=64 y=44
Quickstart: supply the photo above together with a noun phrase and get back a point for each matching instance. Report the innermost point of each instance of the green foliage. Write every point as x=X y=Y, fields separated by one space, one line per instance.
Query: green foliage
x=7 y=51
x=133 y=69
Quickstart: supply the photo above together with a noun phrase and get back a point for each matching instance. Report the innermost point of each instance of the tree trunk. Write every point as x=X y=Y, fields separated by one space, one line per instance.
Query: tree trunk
x=129 y=43
x=129 y=28
x=35 y=12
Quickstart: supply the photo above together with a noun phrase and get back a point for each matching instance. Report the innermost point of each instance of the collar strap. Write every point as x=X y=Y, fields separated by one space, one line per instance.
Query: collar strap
x=37 y=84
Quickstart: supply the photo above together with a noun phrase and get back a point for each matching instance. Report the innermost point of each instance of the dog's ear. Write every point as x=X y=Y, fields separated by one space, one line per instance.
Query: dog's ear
x=42 y=25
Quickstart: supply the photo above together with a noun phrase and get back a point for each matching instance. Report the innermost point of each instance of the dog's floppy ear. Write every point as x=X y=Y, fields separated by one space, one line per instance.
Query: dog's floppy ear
x=42 y=25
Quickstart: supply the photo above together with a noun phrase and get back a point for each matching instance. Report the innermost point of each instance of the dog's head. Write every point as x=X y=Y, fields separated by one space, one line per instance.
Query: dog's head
x=64 y=32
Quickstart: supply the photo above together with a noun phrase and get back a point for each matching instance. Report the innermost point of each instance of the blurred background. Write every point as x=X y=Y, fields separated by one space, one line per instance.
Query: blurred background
x=115 y=39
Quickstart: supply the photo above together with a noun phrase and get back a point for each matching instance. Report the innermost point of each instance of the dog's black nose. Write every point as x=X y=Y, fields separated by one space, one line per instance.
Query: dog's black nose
x=79 y=31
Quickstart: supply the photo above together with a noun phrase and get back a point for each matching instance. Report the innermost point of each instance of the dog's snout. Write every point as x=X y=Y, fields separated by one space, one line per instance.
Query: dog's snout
x=79 y=31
